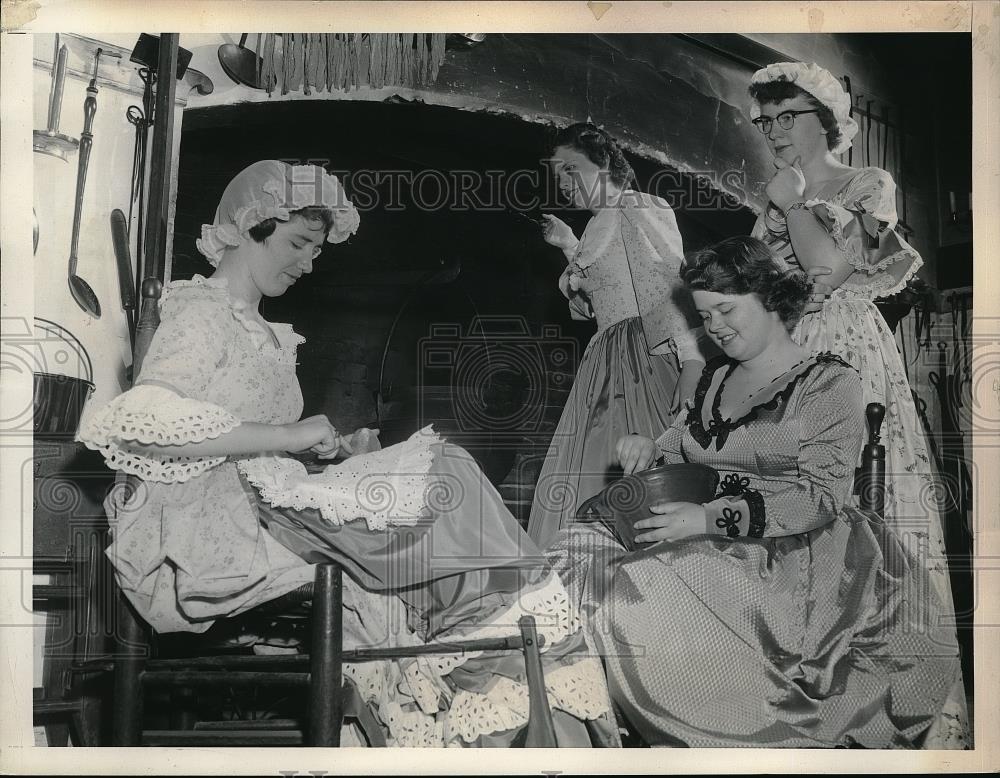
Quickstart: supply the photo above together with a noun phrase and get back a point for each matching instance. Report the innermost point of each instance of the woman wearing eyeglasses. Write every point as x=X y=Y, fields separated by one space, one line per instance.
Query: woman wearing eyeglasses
x=823 y=213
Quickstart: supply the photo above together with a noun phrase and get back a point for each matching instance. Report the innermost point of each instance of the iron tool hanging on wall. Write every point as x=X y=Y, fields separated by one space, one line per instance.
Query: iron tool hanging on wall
x=50 y=140
x=82 y=293
x=146 y=53
x=126 y=284
x=850 y=94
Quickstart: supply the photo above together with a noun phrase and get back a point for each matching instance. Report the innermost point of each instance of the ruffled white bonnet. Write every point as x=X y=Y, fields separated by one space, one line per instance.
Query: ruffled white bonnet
x=272 y=189
x=821 y=84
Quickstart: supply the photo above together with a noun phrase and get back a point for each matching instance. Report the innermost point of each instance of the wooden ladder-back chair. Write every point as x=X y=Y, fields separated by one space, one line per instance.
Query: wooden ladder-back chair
x=137 y=670
x=869 y=479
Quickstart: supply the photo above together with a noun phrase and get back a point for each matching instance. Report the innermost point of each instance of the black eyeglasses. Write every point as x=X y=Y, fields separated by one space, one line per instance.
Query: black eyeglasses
x=785 y=119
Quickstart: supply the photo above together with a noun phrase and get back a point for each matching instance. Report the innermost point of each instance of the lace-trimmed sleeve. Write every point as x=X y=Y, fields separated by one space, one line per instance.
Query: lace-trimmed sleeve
x=165 y=408
x=154 y=415
x=863 y=228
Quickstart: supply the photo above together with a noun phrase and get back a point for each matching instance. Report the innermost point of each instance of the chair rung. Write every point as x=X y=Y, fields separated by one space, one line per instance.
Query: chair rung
x=99 y=664
x=512 y=643
x=266 y=724
x=46 y=593
x=54 y=707
x=227 y=678
x=195 y=737
x=235 y=660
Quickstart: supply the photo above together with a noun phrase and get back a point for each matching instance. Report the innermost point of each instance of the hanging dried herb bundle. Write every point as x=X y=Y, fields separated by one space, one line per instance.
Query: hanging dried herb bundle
x=345 y=61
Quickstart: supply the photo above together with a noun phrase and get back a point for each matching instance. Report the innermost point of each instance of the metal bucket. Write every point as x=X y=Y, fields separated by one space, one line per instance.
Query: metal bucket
x=59 y=399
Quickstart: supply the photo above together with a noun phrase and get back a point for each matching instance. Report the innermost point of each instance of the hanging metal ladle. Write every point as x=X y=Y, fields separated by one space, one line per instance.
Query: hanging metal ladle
x=79 y=288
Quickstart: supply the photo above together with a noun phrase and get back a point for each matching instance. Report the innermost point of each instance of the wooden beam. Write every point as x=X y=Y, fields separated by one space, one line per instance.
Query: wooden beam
x=161 y=159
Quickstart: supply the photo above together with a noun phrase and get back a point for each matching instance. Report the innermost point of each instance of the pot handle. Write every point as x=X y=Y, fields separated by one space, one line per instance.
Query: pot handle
x=596 y=511
x=70 y=338
x=590 y=510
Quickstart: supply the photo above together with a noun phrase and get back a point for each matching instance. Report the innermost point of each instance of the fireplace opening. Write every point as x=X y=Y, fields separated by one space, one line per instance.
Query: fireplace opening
x=443 y=308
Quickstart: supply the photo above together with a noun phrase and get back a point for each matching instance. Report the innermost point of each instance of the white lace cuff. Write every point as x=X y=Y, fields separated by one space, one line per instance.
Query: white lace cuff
x=886 y=267
x=884 y=284
x=840 y=220
x=154 y=415
x=382 y=487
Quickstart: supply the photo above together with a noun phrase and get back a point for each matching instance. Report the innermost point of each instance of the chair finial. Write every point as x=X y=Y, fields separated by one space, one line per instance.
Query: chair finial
x=875 y=414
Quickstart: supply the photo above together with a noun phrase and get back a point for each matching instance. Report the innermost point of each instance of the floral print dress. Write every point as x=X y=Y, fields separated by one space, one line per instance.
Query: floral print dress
x=624 y=276
x=858 y=209
x=199 y=539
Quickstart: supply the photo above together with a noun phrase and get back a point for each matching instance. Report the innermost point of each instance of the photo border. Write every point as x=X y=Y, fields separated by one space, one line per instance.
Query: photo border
x=92 y=17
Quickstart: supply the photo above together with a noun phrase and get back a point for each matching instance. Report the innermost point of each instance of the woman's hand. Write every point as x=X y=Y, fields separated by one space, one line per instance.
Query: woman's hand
x=558 y=233
x=635 y=453
x=821 y=290
x=687 y=383
x=316 y=434
x=363 y=441
x=787 y=185
x=566 y=283
x=673 y=521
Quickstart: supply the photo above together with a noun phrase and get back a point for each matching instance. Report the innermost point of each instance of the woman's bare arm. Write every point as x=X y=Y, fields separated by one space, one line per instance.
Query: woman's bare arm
x=815 y=247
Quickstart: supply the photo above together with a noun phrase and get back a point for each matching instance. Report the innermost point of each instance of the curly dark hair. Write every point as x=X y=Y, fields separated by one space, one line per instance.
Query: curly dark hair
x=599 y=147
x=311 y=213
x=774 y=92
x=745 y=265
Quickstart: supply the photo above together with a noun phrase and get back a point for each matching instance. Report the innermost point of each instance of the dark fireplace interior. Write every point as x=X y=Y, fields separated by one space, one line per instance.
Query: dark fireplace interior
x=442 y=309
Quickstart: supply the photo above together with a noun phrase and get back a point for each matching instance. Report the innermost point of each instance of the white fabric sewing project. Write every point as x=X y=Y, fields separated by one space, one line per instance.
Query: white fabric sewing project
x=382 y=487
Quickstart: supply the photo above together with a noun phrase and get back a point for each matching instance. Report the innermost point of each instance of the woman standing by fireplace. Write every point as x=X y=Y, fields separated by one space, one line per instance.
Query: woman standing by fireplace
x=644 y=358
